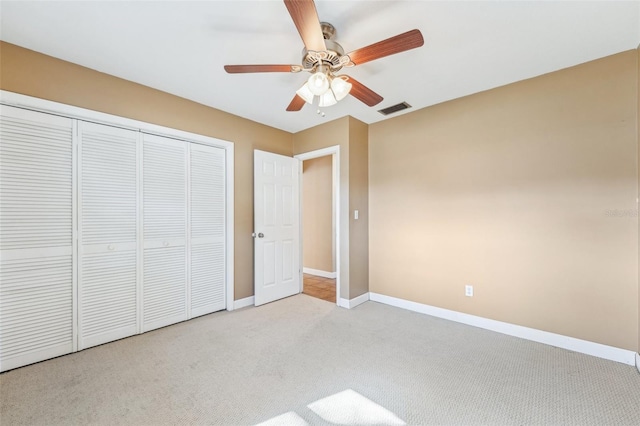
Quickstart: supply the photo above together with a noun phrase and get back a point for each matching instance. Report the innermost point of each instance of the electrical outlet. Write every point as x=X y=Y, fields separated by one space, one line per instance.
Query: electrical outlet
x=468 y=290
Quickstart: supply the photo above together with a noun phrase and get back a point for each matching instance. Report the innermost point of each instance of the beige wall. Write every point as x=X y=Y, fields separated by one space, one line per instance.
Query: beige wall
x=509 y=190
x=317 y=214
x=31 y=73
x=352 y=137
x=328 y=134
x=638 y=163
x=358 y=200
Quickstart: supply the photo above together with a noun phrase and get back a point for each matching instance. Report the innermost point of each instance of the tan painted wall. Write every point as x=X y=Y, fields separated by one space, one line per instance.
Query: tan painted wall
x=352 y=137
x=317 y=214
x=31 y=73
x=508 y=190
x=358 y=200
x=328 y=134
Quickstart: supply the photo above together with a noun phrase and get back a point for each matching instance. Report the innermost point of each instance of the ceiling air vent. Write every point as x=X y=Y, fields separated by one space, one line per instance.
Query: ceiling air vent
x=394 y=108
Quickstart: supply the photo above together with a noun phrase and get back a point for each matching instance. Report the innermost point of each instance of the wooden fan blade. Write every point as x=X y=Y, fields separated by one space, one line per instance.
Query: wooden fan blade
x=363 y=93
x=235 y=69
x=296 y=104
x=305 y=16
x=400 y=43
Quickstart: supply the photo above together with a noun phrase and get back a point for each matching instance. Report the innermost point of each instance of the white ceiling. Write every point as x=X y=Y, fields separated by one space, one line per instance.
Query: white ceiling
x=180 y=47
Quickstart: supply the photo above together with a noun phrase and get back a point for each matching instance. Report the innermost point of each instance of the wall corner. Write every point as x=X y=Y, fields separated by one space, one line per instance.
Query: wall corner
x=358 y=202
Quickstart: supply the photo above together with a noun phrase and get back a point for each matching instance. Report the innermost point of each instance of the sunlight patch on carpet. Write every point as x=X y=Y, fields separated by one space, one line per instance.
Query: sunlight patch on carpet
x=343 y=408
x=350 y=408
x=289 y=418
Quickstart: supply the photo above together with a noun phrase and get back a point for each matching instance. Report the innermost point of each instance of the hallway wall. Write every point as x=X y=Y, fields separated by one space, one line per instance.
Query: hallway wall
x=317 y=214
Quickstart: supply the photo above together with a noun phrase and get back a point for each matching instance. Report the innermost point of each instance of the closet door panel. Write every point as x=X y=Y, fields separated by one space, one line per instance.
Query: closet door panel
x=165 y=204
x=207 y=214
x=37 y=309
x=36 y=237
x=164 y=287
x=164 y=299
x=108 y=298
x=108 y=198
x=207 y=278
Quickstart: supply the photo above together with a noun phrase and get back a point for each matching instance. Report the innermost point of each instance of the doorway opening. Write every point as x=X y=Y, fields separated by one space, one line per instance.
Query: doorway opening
x=319 y=248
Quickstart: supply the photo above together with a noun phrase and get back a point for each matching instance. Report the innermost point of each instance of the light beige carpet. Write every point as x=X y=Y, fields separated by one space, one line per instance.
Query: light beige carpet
x=303 y=360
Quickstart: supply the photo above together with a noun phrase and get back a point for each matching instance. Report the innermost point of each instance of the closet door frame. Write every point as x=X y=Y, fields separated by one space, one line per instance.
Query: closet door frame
x=73 y=112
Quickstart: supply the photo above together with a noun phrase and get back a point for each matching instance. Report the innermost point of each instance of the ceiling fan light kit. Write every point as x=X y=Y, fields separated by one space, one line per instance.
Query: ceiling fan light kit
x=319 y=81
x=305 y=93
x=322 y=56
x=328 y=87
x=327 y=99
x=340 y=87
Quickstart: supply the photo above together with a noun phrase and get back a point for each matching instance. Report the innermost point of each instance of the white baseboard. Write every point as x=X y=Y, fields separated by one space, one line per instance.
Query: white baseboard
x=243 y=303
x=349 y=304
x=638 y=362
x=319 y=273
x=570 y=343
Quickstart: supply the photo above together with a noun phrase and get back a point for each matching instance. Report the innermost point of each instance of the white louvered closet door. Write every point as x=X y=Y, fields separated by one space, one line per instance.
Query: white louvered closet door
x=164 y=295
x=36 y=237
x=107 y=302
x=207 y=224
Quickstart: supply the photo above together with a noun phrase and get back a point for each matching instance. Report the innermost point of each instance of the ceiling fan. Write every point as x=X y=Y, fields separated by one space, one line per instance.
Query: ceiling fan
x=323 y=57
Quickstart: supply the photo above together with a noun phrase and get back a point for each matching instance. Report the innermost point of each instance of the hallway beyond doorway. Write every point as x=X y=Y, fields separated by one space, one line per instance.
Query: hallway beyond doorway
x=320 y=287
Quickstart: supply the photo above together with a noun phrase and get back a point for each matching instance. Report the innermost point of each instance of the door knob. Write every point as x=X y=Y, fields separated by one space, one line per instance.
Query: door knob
x=260 y=235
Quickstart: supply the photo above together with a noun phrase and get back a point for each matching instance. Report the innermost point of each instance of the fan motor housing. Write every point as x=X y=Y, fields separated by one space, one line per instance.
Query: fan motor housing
x=330 y=57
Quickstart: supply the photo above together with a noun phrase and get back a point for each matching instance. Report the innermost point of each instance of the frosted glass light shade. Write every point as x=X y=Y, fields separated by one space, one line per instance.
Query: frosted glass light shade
x=327 y=99
x=318 y=83
x=340 y=88
x=305 y=93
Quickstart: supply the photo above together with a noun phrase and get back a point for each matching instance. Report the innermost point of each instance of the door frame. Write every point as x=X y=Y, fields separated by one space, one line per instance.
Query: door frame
x=57 y=108
x=334 y=152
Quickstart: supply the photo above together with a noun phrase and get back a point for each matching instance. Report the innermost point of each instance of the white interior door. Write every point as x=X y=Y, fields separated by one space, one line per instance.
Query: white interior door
x=36 y=237
x=276 y=227
x=108 y=228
